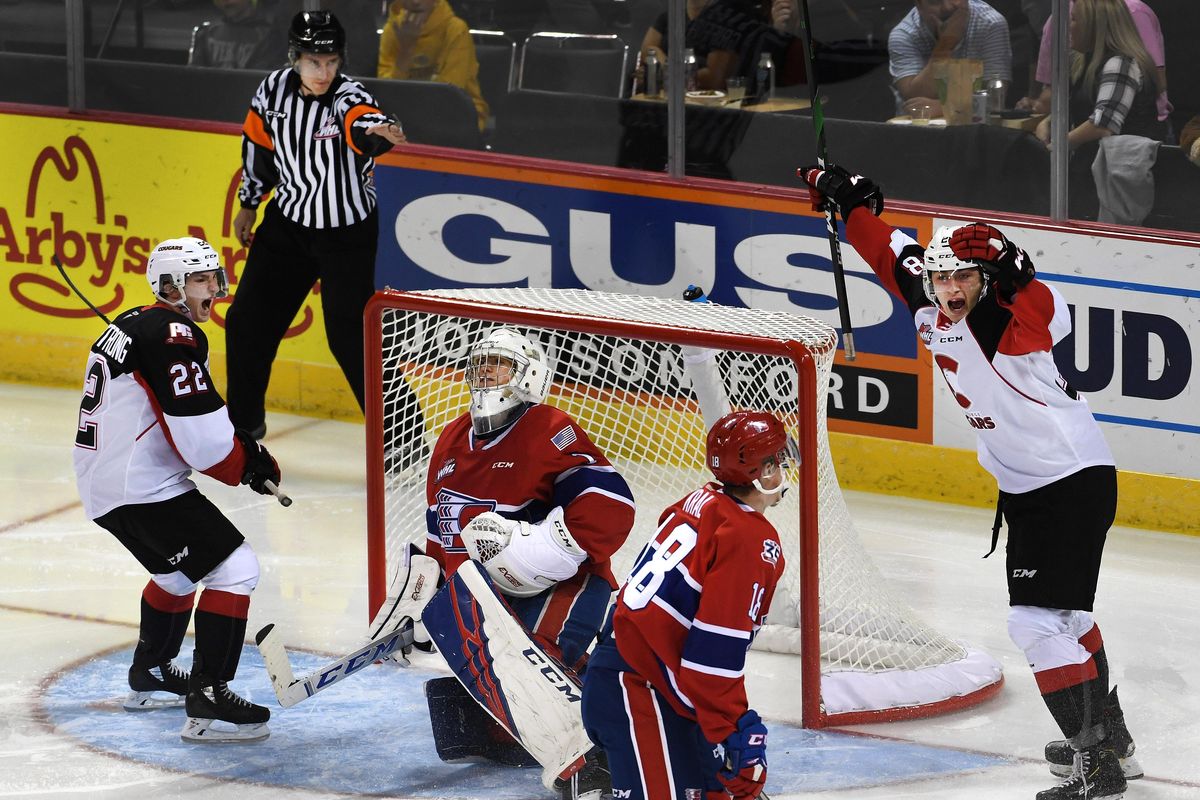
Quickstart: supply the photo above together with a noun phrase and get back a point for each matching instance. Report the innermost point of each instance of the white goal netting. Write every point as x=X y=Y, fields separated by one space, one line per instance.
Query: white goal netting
x=641 y=375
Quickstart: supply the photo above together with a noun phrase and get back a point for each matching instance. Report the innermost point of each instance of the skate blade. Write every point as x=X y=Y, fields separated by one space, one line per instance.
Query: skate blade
x=151 y=701
x=201 y=731
x=1130 y=767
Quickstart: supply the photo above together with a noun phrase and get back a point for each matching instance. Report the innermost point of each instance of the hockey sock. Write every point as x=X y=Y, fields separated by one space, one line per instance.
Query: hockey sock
x=1093 y=642
x=1076 y=698
x=164 y=623
x=220 y=631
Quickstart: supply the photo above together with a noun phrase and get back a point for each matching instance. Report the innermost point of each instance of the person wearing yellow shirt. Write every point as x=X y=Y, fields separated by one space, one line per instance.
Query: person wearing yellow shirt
x=424 y=41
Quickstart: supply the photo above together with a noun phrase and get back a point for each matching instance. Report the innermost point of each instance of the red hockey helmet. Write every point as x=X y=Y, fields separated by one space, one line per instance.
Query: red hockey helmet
x=741 y=443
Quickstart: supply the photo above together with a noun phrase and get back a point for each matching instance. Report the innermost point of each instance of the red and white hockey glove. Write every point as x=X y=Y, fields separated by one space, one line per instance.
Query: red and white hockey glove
x=745 y=770
x=847 y=192
x=1001 y=259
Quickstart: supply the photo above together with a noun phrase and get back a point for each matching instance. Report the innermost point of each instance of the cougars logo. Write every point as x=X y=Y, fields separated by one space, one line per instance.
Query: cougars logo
x=454 y=512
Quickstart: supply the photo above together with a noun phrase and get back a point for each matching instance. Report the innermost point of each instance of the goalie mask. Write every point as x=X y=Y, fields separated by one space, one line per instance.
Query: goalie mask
x=940 y=258
x=505 y=371
x=746 y=446
x=173 y=260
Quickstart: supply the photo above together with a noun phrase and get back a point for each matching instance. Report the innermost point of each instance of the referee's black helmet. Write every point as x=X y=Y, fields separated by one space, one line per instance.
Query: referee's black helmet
x=316 y=32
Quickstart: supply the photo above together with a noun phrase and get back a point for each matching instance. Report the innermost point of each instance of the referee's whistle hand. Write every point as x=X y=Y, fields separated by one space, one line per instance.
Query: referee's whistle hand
x=390 y=131
x=243 y=225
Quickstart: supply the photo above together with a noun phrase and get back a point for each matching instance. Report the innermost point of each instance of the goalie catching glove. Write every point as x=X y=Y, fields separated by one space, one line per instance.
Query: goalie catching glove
x=1002 y=260
x=846 y=192
x=523 y=558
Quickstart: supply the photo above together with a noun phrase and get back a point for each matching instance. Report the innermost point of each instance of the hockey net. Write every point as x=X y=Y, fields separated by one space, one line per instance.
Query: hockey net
x=641 y=375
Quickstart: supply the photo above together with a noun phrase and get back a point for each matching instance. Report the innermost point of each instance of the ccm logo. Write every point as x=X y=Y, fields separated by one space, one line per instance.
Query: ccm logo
x=1024 y=573
x=756 y=739
x=503 y=464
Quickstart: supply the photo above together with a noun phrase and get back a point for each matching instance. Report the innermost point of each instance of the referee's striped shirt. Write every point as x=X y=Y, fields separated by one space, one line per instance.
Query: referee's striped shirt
x=313 y=151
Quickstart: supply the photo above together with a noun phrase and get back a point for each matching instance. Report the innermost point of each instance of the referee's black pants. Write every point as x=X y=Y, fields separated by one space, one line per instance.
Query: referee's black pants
x=285 y=260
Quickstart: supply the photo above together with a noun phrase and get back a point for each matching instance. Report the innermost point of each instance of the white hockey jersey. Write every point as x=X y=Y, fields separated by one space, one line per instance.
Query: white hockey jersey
x=150 y=414
x=1032 y=428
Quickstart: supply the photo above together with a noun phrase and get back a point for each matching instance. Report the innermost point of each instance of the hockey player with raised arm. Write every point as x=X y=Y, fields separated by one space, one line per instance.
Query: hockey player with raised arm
x=990 y=325
x=149 y=416
x=518 y=487
x=664 y=693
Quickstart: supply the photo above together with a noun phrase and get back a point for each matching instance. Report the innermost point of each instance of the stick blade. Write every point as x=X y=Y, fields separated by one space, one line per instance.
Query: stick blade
x=279 y=668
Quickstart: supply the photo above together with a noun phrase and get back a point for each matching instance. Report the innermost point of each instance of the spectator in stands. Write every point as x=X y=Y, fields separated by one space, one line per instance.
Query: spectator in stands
x=241 y=39
x=1189 y=140
x=424 y=41
x=1112 y=77
x=935 y=30
x=1146 y=22
x=729 y=36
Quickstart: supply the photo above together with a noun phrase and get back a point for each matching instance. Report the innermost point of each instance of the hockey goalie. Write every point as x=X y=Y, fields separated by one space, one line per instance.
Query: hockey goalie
x=524 y=513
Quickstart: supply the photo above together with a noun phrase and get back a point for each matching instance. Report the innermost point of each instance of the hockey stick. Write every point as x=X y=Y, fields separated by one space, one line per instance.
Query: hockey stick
x=291 y=690
x=283 y=499
x=835 y=247
x=75 y=289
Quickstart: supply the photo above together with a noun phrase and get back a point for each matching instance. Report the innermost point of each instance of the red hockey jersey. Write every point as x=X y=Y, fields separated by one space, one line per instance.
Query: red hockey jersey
x=543 y=460
x=693 y=602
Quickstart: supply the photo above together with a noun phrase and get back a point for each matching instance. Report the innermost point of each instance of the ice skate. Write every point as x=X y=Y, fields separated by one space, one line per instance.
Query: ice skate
x=1096 y=776
x=592 y=782
x=1061 y=755
x=161 y=686
x=212 y=709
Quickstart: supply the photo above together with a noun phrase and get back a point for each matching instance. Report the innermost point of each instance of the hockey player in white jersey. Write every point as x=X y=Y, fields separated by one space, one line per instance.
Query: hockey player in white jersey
x=150 y=415
x=990 y=325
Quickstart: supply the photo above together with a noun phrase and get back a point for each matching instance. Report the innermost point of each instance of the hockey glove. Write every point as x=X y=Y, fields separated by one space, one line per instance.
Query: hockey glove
x=845 y=191
x=260 y=465
x=1002 y=260
x=745 y=770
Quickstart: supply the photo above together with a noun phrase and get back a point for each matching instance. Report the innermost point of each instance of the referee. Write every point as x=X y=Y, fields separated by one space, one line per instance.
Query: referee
x=310 y=135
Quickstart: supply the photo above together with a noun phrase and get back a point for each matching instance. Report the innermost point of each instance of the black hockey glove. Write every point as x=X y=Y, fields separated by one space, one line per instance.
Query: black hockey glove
x=260 y=465
x=845 y=191
x=1002 y=260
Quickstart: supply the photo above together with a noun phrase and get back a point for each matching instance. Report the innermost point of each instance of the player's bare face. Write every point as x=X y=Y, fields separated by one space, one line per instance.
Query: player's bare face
x=200 y=289
x=957 y=292
x=317 y=71
x=489 y=372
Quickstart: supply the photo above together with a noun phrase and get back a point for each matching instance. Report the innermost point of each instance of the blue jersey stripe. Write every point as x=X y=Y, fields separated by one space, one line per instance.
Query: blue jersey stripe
x=584 y=478
x=715 y=650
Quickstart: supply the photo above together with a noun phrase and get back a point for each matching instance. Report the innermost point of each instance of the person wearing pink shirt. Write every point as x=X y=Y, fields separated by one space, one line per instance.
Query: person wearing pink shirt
x=1147 y=25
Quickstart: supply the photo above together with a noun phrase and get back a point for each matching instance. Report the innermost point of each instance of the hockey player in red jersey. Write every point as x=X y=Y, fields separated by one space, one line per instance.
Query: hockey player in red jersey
x=149 y=416
x=517 y=486
x=664 y=694
x=990 y=325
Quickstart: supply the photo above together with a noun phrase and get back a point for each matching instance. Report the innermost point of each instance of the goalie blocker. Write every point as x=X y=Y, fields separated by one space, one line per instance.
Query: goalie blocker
x=532 y=696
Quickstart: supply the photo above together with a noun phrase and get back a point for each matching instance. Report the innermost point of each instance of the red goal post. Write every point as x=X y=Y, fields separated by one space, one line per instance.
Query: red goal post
x=642 y=375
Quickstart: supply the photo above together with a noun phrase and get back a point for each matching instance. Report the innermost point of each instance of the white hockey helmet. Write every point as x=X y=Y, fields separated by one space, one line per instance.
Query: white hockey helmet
x=174 y=259
x=494 y=405
x=940 y=258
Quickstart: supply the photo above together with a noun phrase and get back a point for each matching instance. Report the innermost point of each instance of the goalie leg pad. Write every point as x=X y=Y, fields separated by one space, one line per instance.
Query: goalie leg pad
x=529 y=693
x=409 y=591
x=463 y=730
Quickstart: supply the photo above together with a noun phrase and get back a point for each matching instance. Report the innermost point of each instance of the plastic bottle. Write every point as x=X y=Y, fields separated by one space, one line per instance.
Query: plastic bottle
x=651 y=66
x=765 y=78
x=690 y=67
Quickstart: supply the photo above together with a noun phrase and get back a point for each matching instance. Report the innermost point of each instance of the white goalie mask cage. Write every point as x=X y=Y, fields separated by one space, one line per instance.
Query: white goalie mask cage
x=173 y=260
x=940 y=258
x=494 y=405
